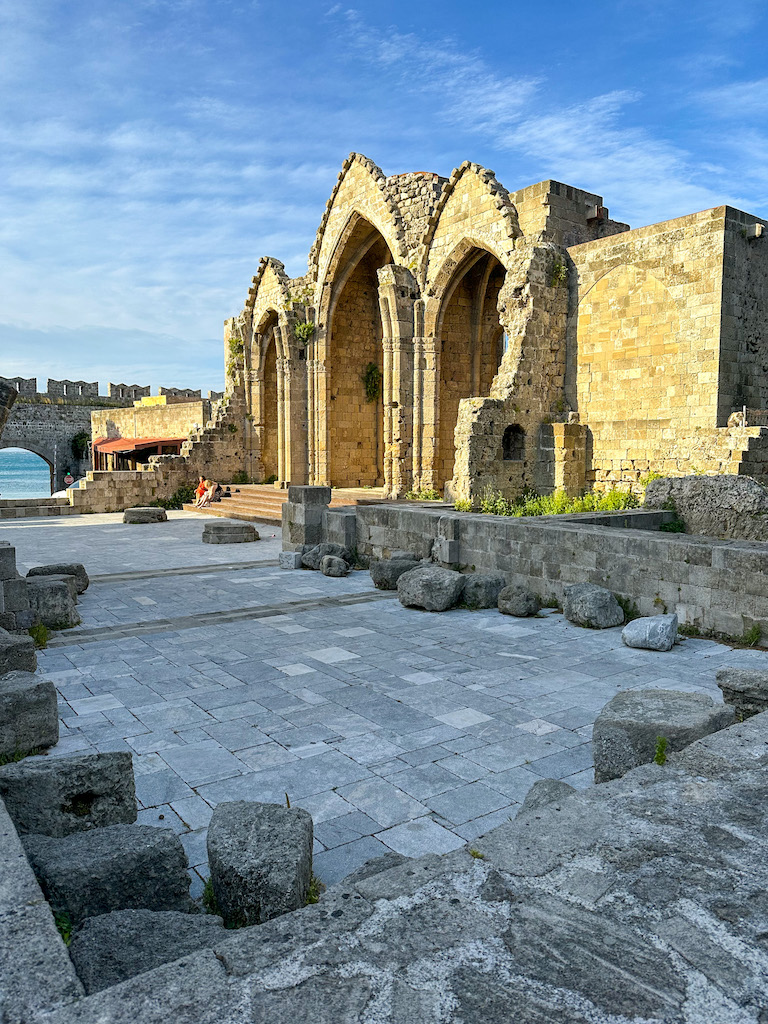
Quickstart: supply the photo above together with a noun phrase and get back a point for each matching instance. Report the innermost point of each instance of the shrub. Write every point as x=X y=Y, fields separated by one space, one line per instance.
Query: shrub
x=532 y=504
x=181 y=496
x=424 y=494
x=39 y=634
x=240 y=477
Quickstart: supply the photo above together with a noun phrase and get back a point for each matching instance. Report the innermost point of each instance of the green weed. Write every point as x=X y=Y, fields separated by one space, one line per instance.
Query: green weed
x=660 y=755
x=39 y=634
x=315 y=890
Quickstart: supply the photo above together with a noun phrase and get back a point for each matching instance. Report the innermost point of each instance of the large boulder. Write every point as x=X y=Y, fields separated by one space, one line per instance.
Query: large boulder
x=430 y=587
x=482 y=589
x=51 y=602
x=387 y=571
x=119 y=867
x=17 y=653
x=312 y=559
x=260 y=856
x=651 y=633
x=219 y=532
x=141 y=515
x=586 y=604
x=745 y=689
x=29 y=717
x=75 y=569
x=734 y=507
x=330 y=565
x=114 y=947
x=516 y=600
x=627 y=731
x=69 y=794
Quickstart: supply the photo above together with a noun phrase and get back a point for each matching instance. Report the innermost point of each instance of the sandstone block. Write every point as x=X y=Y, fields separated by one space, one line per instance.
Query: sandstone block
x=17 y=653
x=29 y=718
x=651 y=633
x=75 y=569
x=119 y=867
x=260 y=857
x=430 y=587
x=59 y=796
x=217 y=532
x=140 y=515
x=51 y=602
x=745 y=689
x=332 y=566
x=482 y=589
x=386 y=572
x=516 y=600
x=586 y=604
x=627 y=730
x=114 y=947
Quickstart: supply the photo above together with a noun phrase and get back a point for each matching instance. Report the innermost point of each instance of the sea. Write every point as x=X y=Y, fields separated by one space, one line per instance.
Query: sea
x=23 y=474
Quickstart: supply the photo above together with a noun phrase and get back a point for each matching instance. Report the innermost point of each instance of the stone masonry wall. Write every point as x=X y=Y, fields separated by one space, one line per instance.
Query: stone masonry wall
x=743 y=372
x=175 y=420
x=718 y=586
x=48 y=430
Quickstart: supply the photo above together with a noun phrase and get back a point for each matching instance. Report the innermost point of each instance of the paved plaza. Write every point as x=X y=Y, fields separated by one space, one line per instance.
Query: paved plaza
x=231 y=679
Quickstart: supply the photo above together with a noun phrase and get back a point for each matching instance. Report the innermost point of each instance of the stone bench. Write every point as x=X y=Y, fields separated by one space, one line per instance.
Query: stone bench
x=229 y=533
x=148 y=514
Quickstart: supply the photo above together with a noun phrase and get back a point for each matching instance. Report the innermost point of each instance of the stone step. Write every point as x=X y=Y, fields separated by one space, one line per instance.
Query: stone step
x=28 y=511
x=26 y=502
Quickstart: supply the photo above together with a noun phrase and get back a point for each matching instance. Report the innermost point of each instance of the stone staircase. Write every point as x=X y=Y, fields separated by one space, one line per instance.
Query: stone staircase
x=262 y=503
x=27 y=508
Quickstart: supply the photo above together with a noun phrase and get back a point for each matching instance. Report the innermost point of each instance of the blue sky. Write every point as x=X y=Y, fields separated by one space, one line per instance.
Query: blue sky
x=152 y=150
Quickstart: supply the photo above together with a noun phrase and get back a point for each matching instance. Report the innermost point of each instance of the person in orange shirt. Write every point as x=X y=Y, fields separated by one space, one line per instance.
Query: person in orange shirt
x=200 y=491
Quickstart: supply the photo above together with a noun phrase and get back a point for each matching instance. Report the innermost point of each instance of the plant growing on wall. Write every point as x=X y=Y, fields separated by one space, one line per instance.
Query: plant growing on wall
x=372 y=382
x=303 y=331
x=559 y=273
x=80 y=444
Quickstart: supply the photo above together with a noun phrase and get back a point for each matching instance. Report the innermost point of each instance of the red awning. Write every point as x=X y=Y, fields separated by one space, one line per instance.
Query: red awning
x=132 y=444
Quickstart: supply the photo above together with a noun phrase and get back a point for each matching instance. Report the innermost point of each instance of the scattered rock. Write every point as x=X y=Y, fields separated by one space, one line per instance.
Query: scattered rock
x=516 y=600
x=51 y=602
x=744 y=688
x=482 y=589
x=119 y=867
x=289 y=559
x=403 y=556
x=735 y=507
x=56 y=797
x=314 y=556
x=150 y=514
x=68 y=580
x=430 y=587
x=114 y=947
x=386 y=572
x=651 y=633
x=17 y=654
x=29 y=717
x=742 y=747
x=330 y=565
x=586 y=604
x=260 y=857
x=64 y=569
x=220 y=532
x=627 y=730
x=543 y=793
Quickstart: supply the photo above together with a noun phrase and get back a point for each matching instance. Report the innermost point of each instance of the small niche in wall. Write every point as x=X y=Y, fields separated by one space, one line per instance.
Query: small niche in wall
x=513 y=444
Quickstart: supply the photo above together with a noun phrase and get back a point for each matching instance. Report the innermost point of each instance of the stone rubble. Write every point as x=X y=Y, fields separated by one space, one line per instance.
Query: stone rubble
x=519 y=601
x=260 y=856
x=745 y=689
x=430 y=587
x=29 y=716
x=586 y=604
x=75 y=569
x=51 y=601
x=482 y=589
x=627 y=730
x=651 y=633
x=141 y=514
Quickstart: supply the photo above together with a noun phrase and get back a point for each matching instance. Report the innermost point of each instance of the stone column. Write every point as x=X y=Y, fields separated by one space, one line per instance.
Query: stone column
x=281 y=446
x=398 y=292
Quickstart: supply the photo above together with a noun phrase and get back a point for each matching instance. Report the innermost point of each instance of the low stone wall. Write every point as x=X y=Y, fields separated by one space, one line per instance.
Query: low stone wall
x=719 y=586
x=115 y=491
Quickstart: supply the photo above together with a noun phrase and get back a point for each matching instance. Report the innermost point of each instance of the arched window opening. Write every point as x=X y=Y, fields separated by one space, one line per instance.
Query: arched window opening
x=513 y=444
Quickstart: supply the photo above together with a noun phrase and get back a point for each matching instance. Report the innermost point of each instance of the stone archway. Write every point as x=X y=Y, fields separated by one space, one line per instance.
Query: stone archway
x=469 y=347
x=30 y=450
x=355 y=456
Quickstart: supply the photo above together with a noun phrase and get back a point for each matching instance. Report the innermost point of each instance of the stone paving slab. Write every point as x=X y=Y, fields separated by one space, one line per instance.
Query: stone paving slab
x=396 y=729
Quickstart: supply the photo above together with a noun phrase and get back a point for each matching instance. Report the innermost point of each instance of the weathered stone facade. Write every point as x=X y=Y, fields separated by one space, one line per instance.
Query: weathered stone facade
x=521 y=339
